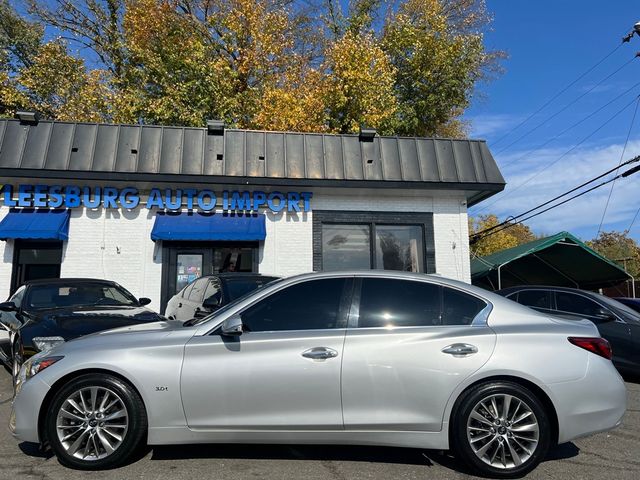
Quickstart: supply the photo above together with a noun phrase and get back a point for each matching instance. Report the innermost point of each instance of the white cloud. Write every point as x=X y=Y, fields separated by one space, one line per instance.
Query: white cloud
x=582 y=215
x=483 y=126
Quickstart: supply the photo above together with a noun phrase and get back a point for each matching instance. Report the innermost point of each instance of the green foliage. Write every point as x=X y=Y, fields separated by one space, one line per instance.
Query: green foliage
x=268 y=64
x=620 y=248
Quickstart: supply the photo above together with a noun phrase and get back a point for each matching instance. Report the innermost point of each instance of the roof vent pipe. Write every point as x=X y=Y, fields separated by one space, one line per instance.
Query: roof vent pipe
x=215 y=127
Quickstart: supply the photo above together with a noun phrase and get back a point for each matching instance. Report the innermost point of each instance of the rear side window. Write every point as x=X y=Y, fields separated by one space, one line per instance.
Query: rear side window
x=535 y=298
x=572 y=303
x=314 y=304
x=459 y=308
x=398 y=303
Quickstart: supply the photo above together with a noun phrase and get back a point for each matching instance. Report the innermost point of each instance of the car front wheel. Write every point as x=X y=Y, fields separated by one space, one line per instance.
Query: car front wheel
x=96 y=422
x=501 y=429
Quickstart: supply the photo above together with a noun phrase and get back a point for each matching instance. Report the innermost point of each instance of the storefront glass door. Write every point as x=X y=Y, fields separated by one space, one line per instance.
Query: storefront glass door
x=35 y=260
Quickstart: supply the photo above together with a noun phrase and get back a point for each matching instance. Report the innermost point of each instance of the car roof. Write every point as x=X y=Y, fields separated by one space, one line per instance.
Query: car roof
x=55 y=281
x=542 y=287
x=233 y=275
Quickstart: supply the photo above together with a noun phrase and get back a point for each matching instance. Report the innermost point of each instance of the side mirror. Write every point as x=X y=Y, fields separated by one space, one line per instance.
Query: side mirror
x=8 y=307
x=144 y=301
x=232 y=327
x=604 y=315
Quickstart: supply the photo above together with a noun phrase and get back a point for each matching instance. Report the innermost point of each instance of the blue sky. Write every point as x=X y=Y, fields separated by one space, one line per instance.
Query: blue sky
x=551 y=43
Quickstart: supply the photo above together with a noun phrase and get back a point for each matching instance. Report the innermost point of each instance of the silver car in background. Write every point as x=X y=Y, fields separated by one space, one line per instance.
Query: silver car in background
x=370 y=358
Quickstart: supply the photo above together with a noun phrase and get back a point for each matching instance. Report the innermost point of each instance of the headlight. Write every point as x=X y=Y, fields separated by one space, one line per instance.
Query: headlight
x=44 y=344
x=34 y=366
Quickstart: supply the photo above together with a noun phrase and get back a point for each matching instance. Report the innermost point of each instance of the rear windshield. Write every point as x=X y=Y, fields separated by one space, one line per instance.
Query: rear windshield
x=73 y=295
x=238 y=287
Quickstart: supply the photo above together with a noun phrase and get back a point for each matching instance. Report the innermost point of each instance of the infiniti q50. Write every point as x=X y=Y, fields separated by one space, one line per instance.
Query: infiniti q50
x=372 y=358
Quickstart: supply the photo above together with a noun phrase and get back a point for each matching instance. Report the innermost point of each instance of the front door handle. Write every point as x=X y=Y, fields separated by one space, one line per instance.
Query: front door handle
x=460 y=349
x=320 y=353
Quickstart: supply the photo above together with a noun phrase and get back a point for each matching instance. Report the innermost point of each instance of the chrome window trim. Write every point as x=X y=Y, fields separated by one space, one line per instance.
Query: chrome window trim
x=618 y=319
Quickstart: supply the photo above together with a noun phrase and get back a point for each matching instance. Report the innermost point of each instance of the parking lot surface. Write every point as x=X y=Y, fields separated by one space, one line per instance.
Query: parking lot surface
x=611 y=455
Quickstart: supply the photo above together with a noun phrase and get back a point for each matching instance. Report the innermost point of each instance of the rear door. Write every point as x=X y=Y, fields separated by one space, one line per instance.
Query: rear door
x=400 y=364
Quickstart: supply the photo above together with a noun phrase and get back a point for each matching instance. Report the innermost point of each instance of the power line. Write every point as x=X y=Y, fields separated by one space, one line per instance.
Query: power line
x=627 y=173
x=573 y=102
x=628 y=162
x=550 y=164
x=613 y=184
x=548 y=102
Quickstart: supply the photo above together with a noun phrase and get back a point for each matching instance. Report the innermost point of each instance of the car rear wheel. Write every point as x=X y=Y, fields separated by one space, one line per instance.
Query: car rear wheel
x=96 y=422
x=501 y=430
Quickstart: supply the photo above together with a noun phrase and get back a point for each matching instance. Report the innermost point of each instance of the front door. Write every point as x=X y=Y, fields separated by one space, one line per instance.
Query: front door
x=282 y=373
x=412 y=344
x=35 y=260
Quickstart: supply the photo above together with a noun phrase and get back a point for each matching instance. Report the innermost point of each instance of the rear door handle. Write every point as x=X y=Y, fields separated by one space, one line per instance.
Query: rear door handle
x=460 y=349
x=320 y=353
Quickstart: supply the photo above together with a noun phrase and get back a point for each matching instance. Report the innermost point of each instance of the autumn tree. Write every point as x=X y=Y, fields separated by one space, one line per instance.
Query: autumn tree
x=501 y=240
x=620 y=248
x=407 y=67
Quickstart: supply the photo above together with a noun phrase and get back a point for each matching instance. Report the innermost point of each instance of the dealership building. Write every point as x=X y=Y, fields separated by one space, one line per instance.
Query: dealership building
x=154 y=207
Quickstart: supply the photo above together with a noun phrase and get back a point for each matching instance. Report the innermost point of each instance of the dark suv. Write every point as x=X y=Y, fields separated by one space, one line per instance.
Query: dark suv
x=618 y=323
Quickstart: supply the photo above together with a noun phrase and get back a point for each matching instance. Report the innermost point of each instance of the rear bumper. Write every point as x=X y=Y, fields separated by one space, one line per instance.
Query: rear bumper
x=593 y=404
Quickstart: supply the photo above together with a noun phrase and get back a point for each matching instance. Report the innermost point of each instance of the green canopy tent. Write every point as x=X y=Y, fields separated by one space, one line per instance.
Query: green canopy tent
x=560 y=260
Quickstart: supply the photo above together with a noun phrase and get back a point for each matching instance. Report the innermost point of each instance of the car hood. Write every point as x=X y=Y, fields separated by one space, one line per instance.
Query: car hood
x=80 y=321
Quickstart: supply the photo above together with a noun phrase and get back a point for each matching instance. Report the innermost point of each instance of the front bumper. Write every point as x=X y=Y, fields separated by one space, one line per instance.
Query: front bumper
x=25 y=410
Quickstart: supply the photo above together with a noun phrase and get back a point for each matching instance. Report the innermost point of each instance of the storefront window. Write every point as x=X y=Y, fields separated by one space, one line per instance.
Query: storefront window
x=372 y=245
x=189 y=267
x=346 y=247
x=399 y=247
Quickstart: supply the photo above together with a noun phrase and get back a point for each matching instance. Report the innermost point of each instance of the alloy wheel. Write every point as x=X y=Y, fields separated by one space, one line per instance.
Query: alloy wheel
x=503 y=431
x=92 y=423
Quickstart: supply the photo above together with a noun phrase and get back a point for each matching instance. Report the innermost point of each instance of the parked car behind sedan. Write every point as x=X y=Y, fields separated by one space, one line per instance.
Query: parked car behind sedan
x=44 y=313
x=371 y=358
x=616 y=322
x=632 y=303
x=206 y=294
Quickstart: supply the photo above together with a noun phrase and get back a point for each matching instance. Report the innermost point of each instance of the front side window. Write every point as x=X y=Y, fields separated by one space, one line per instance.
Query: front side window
x=398 y=303
x=572 y=303
x=310 y=305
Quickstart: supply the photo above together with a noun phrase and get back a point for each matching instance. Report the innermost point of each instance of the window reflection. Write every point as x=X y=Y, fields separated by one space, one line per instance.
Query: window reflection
x=345 y=247
x=399 y=247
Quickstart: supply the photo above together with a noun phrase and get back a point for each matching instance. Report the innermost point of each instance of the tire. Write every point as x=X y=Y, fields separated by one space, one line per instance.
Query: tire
x=106 y=429
x=508 y=449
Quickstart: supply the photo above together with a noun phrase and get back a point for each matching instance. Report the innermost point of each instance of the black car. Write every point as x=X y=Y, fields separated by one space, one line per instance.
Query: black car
x=43 y=313
x=206 y=294
x=632 y=303
x=617 y=323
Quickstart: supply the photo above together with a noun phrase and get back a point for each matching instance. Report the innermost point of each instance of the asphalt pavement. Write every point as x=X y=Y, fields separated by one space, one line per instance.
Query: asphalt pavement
x=612 y=455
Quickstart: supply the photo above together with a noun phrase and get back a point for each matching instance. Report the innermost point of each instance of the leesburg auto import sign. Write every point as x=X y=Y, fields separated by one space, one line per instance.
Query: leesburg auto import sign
x=71 y=196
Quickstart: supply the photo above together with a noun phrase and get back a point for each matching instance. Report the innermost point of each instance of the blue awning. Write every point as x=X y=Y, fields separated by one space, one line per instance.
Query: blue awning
x=208 y=226
x=38 y=224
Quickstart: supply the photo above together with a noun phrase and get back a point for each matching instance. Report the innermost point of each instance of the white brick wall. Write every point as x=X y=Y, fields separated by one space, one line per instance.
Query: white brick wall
x=117 y=245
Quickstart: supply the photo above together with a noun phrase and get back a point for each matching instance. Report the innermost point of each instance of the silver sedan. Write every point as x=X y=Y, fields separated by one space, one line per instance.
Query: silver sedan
x=371 y=358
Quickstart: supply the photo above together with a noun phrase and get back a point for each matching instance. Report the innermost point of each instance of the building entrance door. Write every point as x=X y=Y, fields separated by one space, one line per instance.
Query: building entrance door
x=183 y=262
x=35 y=260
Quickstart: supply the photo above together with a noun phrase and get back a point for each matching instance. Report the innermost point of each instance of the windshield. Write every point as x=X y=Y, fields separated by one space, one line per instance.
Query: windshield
x=228 y=306
x=238 y=287
x=58 y=295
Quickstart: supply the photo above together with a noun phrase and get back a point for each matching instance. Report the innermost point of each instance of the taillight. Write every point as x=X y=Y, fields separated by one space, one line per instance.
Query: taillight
x=596 y=345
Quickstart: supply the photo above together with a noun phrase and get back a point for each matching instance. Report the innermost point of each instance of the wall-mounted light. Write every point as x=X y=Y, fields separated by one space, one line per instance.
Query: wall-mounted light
x=27 y=117
x=215 y=127
x=367 y=134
